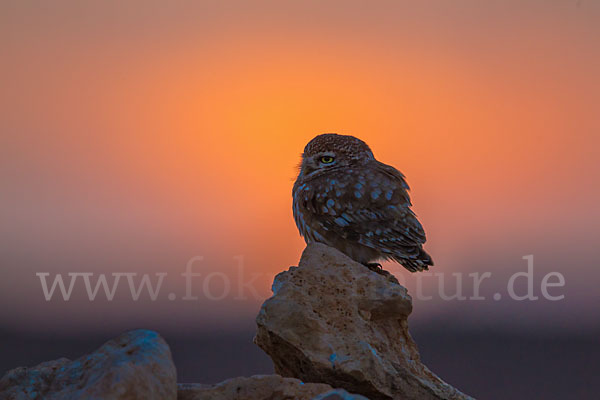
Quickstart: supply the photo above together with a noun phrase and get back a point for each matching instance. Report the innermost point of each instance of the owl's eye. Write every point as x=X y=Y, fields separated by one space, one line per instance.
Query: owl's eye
x=327 y=159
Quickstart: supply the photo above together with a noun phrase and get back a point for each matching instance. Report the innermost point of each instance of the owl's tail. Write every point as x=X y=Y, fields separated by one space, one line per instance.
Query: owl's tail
x=420 y=262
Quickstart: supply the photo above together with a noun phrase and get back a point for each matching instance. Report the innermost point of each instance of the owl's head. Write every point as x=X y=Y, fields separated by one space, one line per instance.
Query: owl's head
x=331 y=150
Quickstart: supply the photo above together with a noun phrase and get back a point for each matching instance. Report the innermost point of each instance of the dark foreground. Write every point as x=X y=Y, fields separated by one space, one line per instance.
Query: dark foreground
x=485 y=365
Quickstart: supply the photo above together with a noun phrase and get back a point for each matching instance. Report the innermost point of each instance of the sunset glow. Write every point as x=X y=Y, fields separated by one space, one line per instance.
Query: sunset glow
x=135 y=140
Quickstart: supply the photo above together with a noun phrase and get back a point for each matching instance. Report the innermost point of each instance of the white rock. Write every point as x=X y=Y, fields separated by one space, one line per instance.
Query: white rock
x=136 y=365
x=333 y=320
x=258 y=387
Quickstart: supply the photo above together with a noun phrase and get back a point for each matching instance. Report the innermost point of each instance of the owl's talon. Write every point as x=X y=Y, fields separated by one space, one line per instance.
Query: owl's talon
x=375 y=267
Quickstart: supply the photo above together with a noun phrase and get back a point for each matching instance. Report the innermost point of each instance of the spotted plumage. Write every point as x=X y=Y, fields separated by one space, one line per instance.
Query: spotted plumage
x=345 y=198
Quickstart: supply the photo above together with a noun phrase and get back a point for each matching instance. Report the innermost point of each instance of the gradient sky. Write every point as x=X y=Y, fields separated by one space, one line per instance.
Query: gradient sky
x=135 y=135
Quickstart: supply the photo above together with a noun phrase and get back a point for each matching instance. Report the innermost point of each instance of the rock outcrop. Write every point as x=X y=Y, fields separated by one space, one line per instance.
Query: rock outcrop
x=332 y=328
x=135 y=365
x=263 y=387
x=332 y=320
x=339 y=394
x=258 y=387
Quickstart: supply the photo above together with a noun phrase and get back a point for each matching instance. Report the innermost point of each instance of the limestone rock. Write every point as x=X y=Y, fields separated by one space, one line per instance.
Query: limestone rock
x=339 y=394
x=333 y=320
x=258 y=387
x=135 y=365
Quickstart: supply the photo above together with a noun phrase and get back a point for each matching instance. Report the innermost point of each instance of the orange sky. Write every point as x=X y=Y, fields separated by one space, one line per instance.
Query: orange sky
x=136 y=136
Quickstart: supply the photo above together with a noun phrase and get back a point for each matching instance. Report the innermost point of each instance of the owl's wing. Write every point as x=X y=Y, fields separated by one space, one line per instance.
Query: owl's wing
x=371 y=208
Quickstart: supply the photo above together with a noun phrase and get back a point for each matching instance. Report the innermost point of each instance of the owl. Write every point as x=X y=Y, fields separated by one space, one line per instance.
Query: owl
x=345 y=198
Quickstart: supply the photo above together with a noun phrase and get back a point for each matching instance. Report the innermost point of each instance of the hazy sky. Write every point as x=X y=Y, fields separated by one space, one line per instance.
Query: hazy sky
x=136 y=135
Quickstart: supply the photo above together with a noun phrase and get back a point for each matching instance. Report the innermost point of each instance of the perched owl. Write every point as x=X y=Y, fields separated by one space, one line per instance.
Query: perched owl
x=345 y=198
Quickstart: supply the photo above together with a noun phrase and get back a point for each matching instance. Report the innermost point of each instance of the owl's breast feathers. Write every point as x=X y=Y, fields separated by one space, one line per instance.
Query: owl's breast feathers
x=369 y=207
